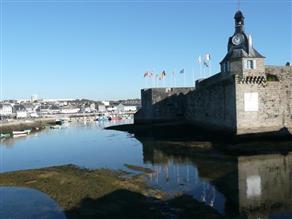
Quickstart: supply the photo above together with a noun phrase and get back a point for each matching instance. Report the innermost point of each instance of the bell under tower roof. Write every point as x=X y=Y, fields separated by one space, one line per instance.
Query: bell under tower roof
x=239 y=21
x=240 y=45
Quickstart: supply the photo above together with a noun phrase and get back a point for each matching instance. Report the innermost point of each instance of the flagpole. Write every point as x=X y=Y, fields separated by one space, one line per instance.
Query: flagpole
x=174 y=78
x=211 y=69
x=193 y=77
x=184 y=79
x=153 y=80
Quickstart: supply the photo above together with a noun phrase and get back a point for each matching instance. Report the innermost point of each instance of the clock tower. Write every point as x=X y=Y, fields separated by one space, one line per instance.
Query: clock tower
x=241 y=59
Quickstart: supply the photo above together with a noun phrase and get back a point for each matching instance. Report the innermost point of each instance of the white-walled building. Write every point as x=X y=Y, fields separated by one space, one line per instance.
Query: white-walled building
x=101 y=108
x=6 y=109
x=21 y=114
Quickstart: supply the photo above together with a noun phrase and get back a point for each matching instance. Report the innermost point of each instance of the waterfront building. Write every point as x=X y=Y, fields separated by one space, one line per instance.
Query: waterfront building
x=6 y=110
x=246 y=97
x=126 y=108
x=69 y=110
x=101 y=108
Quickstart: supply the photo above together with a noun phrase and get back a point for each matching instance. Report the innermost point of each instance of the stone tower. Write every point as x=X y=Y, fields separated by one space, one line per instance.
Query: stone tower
x=242 y=59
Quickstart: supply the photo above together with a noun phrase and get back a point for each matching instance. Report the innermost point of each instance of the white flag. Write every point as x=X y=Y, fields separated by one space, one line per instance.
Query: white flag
x=199 y=59
x=207 y=57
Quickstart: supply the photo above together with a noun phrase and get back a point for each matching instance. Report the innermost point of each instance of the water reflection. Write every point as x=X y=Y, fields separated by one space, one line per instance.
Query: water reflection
x=237 y=187
x=265 y=185
x=250 y=187
x=19 y=203
x=86 y=145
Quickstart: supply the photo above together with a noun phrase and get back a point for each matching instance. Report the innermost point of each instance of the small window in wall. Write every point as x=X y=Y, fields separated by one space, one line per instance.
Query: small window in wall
x=250 y=64
x=251 y=102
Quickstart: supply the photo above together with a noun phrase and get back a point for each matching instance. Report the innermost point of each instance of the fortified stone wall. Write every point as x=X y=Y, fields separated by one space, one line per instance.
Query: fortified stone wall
x=162 y=104
x=212 y=105
x=241 y=104
x=274 y=101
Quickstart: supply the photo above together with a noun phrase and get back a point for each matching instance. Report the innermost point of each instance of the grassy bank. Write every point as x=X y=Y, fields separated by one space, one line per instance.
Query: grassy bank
x=103 y=193
x=21 y=125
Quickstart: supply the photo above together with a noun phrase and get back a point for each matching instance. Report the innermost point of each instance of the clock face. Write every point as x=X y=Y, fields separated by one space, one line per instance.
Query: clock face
x=237 y=39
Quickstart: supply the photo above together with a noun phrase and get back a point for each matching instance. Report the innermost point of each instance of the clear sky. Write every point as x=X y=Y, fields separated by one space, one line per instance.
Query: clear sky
x=101 y=49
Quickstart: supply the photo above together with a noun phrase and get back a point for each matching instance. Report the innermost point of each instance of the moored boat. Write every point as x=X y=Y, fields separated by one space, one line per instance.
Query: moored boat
x=4 y=135
x=23 y=132
x=55 y=127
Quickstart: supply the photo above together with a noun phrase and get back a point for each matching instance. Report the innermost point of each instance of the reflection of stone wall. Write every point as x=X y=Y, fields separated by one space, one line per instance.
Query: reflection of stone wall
x=265 y=184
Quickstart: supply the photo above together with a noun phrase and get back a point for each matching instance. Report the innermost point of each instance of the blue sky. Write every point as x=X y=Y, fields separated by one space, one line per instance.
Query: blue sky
x=101 y=49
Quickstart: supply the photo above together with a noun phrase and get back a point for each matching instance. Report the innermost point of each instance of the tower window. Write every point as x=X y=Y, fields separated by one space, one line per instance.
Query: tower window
x=250 y=64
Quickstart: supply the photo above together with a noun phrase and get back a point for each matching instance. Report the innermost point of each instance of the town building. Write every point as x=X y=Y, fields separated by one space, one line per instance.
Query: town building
x=246 y=97
x=6 y=110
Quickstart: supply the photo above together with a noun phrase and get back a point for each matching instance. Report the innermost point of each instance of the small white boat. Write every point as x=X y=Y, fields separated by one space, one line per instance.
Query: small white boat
x=23 y=132
x=55 y=127
x=19 y=135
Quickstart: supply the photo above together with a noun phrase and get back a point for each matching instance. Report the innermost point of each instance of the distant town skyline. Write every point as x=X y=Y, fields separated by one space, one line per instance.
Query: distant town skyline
x=100 y=50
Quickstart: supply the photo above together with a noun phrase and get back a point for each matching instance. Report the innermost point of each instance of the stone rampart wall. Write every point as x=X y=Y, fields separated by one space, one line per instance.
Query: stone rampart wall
x=162 y=104
x=274 y=102
x=213 y=106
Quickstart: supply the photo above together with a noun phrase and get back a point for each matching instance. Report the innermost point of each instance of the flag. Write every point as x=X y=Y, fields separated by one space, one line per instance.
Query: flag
x=146 y=74
x=182 y=71
x=163 y=74
x=150 y=74
x=206 y=64
x=199 y=59
x=207 y=57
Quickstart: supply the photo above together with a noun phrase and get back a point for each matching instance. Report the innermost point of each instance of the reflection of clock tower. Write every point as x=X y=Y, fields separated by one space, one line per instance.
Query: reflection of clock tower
x=242 y=59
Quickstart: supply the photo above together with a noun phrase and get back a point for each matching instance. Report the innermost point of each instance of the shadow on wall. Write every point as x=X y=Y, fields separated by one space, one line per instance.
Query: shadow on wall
x=127 y=204
x=170 y=107
x=184 y=138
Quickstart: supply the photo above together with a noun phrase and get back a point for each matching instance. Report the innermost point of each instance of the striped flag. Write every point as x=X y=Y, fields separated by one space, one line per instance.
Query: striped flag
x=146 y=74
